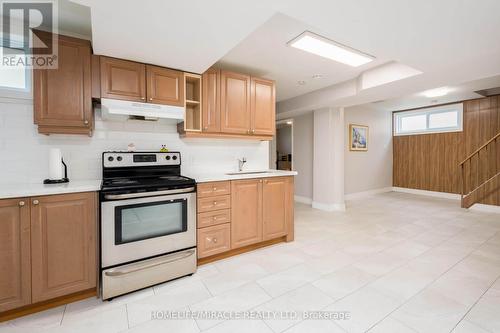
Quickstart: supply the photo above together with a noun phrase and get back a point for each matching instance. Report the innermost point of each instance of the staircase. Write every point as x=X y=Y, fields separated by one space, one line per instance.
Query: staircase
x=472 y=182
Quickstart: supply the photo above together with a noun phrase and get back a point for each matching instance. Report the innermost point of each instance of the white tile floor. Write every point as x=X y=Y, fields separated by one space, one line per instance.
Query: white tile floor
x=395 y=262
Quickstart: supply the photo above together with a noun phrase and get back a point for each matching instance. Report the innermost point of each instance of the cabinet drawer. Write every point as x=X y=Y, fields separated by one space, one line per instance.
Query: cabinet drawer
x=215 y=217
x=214 y=188
x=214 y=240
x=214 y=203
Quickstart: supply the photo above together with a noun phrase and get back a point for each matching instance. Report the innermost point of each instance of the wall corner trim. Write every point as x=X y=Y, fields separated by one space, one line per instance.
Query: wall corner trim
x=359 y=195
x=304 y=200
x=443 y=195
x=485 y=208
x=339 y=207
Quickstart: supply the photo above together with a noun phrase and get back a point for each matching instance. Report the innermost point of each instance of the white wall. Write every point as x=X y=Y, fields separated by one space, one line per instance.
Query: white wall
x=23 y=152
x=371 y=170
x=303 y=132
x=328 y=164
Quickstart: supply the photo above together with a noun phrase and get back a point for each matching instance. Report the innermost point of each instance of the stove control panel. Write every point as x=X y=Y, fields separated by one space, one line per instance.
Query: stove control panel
x=117 y=159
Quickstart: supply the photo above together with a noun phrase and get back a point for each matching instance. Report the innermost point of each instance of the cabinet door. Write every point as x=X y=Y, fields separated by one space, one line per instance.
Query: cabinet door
x=15 y=267
x=211 y=101
x=63 y=96
x=121 y=79
x=213 y=240
x=246 y=212
x=235 y=103
x=63 y=244
x=275 y=207
x=165 y=86
x=263 y=107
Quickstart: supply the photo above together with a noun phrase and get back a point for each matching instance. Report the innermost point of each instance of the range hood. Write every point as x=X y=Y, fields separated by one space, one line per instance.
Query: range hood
x=113 y=107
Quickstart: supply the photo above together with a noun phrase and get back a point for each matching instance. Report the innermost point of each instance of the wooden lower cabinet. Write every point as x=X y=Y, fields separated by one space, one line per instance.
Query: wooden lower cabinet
x=275 y=195
x=214 y=203
x=214 y=240
x=47 y=249
x=208 y=219
x=213 y=188
x=246 y=212
x=63 y=250
x=259 y=213
x=15 y=266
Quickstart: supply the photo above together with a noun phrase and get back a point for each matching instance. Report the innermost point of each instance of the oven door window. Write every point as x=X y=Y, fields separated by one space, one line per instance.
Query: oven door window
x=138 y=222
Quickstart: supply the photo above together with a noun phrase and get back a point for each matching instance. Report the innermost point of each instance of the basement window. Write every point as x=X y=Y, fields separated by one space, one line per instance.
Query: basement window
x=15 y=82
x=439 y=119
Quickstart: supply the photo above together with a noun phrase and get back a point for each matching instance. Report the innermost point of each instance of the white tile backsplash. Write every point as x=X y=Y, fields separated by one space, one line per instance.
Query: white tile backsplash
x=24 y=152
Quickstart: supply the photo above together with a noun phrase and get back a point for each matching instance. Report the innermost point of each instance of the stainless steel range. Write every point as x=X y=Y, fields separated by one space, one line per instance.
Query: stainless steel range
x=148 y=221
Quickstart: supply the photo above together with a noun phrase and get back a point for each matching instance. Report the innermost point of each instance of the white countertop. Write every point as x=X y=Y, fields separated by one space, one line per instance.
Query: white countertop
x=18 y=190
x=213 y=177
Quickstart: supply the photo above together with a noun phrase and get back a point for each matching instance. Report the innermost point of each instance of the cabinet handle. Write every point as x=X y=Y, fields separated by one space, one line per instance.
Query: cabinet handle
x=248 y=131
x=215 y=218
x=86 y=122
x=205 y=128
x=215 y=188
x=21 y=203
x=36 y=202
x=253 y=131
x=214 y=240
x=150 y=98
x=260 y=181
x=215 y=203
x=143 y=98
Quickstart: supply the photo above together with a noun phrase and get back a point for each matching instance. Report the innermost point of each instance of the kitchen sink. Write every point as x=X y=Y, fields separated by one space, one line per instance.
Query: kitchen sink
x=246 y=173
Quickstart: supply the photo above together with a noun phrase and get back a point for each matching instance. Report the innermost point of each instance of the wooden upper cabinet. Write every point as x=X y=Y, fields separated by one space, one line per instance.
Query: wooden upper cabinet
x=246 y=212
x=122 y=79
x=15 y=266
x=63 y=96
x=165 y=86
x=235 y=103
x=63 y=244
x=263 y=107
x=211 y=101
x=275 y=207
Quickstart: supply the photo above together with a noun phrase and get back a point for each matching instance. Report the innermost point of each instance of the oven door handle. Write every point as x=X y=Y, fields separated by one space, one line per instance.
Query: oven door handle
x=147 y=194
x=153 y=263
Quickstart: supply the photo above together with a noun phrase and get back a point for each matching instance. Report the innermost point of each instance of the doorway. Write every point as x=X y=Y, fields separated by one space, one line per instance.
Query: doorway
x=282 y=146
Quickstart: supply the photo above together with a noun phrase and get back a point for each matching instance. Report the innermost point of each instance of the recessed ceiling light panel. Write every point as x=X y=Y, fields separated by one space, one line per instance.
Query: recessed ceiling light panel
x=324 y=47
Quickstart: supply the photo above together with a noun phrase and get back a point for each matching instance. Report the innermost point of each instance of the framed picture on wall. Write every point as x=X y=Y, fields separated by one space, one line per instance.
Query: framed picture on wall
x=358 y=137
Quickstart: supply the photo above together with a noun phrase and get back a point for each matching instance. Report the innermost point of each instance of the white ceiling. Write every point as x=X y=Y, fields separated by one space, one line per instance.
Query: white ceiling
x=265 y=53
x=459 y=92
x=450 y=41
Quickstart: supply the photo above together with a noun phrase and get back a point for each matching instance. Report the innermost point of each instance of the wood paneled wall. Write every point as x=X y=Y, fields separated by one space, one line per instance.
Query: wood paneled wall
x=431 y=161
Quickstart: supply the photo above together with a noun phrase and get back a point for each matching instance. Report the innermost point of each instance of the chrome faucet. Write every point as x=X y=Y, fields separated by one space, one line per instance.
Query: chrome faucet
x=241 y=163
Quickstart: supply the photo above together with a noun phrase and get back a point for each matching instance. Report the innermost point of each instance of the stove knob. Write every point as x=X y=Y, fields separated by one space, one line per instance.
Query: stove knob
x=167 y=157
x=119 y=158
x=174 y=157
x=111 y=158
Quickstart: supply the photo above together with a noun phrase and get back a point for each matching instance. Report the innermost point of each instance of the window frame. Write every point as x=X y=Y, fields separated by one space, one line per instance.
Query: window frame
x=18 y=93
x=456 y=107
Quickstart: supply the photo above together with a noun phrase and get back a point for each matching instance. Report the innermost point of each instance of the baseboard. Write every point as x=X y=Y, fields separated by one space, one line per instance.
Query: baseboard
x=304 y=200
x=443 y=195
x=358 y=195
x=45 y=305
x=329 y=207
x=485 y=208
